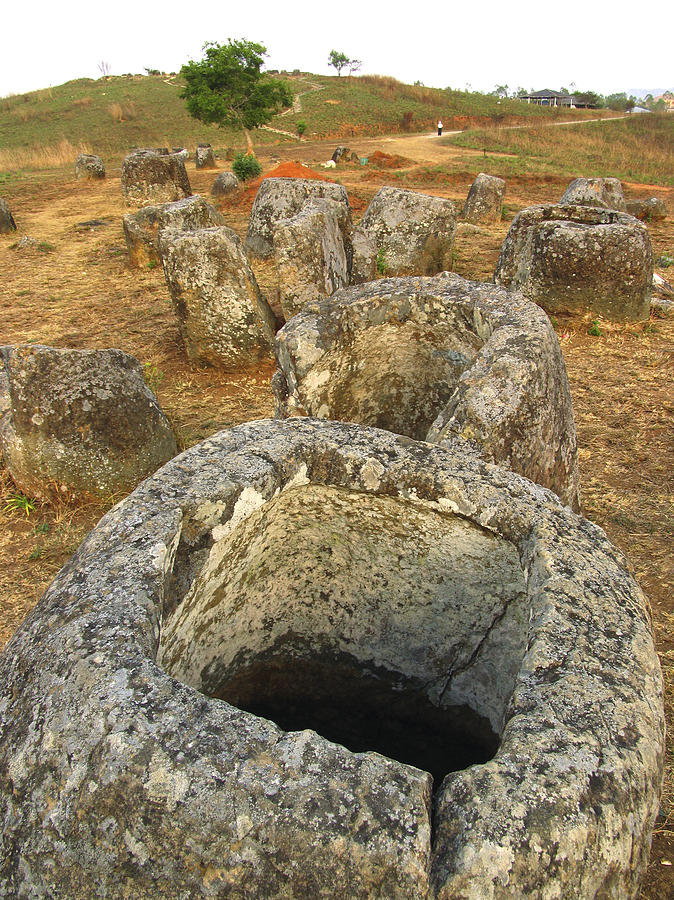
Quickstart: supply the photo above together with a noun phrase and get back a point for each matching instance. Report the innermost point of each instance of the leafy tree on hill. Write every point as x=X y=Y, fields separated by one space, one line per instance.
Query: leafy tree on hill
x=227 y=87
x=341 y=61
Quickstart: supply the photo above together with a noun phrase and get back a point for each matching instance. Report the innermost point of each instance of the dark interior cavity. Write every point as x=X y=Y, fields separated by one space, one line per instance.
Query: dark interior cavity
x=362 y=712
x=382 y=624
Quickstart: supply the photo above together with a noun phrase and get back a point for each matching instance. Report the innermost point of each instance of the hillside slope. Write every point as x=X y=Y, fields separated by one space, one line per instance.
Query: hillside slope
x=112 y=115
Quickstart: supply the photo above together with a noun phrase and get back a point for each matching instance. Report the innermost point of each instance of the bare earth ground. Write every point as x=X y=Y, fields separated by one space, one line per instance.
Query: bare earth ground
x=75 y=289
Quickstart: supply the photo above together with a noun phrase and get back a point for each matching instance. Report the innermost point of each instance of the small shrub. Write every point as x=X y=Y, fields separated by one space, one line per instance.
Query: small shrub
x=246 y=166
x=381 y=261
x=19 y=503
x=594 y=328
x=301 y=127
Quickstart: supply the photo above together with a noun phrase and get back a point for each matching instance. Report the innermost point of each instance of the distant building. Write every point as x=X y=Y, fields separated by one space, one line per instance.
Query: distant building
x=549 y=98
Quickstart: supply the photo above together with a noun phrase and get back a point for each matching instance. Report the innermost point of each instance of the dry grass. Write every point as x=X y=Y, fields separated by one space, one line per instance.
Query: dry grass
x=620 y=380
x=123 y=112
x=48 y=157
x=640 y=147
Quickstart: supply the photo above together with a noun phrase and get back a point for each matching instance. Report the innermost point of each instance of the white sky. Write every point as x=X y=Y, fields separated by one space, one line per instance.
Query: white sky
x=442 y=44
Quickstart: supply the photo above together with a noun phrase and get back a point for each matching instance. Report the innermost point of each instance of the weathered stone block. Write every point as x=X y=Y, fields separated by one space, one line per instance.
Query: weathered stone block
x=411 y=232
x=310 y=257
x=7 y=223
x=578 y=259
x=79 y=422
x=142 y=228
x=89 y=166
x=485 y=199
x=150 y=176
x=223 y=318
x=606 y=193
x=196 y=704
x=364 y=265
x=282 y=198
x=224 y=184
x=435 y=359
x=647 y=210
x=204 y=157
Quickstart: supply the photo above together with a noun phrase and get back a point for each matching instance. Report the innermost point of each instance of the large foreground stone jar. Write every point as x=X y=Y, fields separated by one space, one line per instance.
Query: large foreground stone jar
x=78 y=423
x=347 y=588
x=578 y=259
x=436 y=359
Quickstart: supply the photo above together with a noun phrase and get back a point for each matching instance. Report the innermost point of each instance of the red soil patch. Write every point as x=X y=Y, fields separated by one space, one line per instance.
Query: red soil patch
x=287 y=170
x=283 y=170
x=388 y=161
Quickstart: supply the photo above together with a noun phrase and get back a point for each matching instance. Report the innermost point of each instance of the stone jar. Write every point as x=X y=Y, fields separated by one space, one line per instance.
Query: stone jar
x=309 y=659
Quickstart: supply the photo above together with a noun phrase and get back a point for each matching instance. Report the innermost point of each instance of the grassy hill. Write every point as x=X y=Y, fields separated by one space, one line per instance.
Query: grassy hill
x=112 y=115
x=637 y=148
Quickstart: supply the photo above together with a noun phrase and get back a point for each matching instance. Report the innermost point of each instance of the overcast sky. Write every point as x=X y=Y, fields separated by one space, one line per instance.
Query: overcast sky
x=589 y=45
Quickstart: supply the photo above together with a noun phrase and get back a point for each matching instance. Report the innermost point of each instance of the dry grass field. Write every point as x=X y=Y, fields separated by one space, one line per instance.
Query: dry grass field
x=74 y=288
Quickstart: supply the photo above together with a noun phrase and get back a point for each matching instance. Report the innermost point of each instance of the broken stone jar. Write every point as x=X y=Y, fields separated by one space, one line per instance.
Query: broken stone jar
x=309 y=659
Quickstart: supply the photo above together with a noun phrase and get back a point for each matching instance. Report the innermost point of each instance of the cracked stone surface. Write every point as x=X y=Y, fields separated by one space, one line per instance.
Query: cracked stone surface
x=89 y=166
x=606 y=193
x=282 y=198
x=571 y=259
x=150 y=177
x=225 y=183
x=204 y=157
x=485 y=199
x=310 y=255
x=124 y=774
x=79 y=423
x=410 y=233
x=224 y=320
x=437 y=359
x=142 y=228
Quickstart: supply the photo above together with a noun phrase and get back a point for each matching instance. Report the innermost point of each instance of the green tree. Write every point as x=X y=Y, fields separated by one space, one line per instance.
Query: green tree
x=620 y=102
x=589 y=98
x=339 y=61
x=227 y=87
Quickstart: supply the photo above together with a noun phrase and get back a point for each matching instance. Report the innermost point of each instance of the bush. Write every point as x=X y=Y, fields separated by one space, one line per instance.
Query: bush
x=301 y=127
x=246 y=167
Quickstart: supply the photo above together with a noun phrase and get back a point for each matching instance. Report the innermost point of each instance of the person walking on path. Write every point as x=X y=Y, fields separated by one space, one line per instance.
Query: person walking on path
x=439 y=127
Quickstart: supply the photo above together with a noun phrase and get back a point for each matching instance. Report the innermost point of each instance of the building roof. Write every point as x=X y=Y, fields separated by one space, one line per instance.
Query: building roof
x=547 y=94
